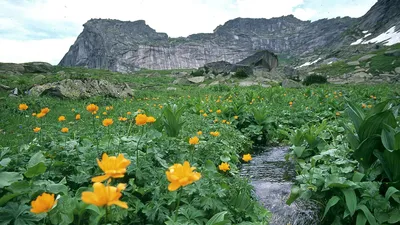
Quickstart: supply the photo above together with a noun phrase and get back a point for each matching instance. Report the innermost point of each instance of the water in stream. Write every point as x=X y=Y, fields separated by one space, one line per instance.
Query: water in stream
x=272 y=178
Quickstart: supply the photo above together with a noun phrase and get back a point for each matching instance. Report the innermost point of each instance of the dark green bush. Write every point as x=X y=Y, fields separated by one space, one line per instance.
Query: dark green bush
x=314 y=79
x=241 y=74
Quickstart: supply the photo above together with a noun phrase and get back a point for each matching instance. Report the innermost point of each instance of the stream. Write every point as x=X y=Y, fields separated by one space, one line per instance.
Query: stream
x=272 y=178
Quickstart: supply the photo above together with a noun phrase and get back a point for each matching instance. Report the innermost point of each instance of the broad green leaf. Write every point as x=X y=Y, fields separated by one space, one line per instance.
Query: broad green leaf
x=36 y=159
x=331 y=202
x=218 y=219
x=357 y=176
x=36 y=170
x=375 y=124
x=392 y=160
x=390 y=191
x=355 y=114
x=7 y=197
x=364 y=153
x=7 y=178
x=394 y=216
x=361 y=219
x=351 y=200
x=299 y=150
x=294 y=194
x=390 y=139
x=371 y=219
x=5 y=162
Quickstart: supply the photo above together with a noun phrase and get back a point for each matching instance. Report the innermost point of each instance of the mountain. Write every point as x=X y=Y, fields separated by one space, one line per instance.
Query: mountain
x=128 y=46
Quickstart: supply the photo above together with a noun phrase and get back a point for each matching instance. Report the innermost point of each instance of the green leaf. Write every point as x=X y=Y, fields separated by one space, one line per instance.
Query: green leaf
x=36 y=159
x=210 y=165
x=394 y=216
x=299 y=150
x=391 y=162
x=294 y=194
x=357 y=176
x=218 y=219
x=390 y=191
x=351 y=200
x=20 y=214
x=375 y=124
x=5 y=162
x=371 y=219
x=8 y=197
x=355 y=114
x=331 y=202
x=225 y=158
x=364 y=153
x=361 y=219
x=388 y=138
x=7 y=178
x=36 y=170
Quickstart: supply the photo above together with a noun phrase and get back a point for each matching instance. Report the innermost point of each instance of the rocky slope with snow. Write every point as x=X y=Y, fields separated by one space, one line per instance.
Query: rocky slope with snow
x=128 y=46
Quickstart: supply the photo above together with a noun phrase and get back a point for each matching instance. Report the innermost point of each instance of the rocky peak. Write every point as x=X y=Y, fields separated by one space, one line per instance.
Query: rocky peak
x=383 y=15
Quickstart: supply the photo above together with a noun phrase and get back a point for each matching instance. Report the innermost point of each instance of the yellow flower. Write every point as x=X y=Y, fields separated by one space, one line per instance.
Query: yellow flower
x=105 y=113
x=219 y=111
x=92 y=108
x=210 y=110
x=112 y=166
x=227 y=122
x=61 y=118
x=43 y=203
x=141 y=119
x=216 y=121
x=215 y=134
x=97 y=117
x=36 y=129
x=247 y=157
x=40 y=115
x=201 y=111
x=33 y=114
x=128 y=113
x=205 y=114
x=65 y=130
x=151 y=119
x=23 y=107
x=104 y=195
x=236 y=117
x=224 y=167
x=194 y=140
x=337 y=113
x=107 y=122
x=369 y=106
x=108 y=108
x=290 y=103
x=78 y=116
x=45 y=110
x=161 y=106
x=363 y=106
x=122 y=119
x=181 y=175
x=199 y=132
x=223 y=121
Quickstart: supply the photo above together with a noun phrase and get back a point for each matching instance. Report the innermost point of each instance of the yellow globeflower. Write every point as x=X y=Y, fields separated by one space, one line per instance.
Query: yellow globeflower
x=141 y=119
x=45 y=110
x=194 y=140
x=199 y=132
x=128 y=113
x=40 y=115
x=247 y=157
x=105 y=113
x=112 y=166
x=181 y=175
x=92 y=108
x=205 y=115
x=23 y=107
x=33 y=114
x=122 y=119
x=218 y=111
x=104 y=195
x=151 y=119
x=337 y=113
x=65 y=130
x=78 y=116
x=236 y=117
x=43 y=203
x=215 y=134
x=36 y=129
x=61 y=118
x=107 y=122
x=224 y=167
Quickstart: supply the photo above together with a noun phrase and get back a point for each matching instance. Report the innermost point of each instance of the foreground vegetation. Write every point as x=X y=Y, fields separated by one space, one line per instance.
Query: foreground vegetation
x=57 y=165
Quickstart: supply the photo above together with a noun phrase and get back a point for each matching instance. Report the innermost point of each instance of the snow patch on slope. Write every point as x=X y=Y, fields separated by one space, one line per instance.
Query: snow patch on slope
x=308 y=63
x=390 y=37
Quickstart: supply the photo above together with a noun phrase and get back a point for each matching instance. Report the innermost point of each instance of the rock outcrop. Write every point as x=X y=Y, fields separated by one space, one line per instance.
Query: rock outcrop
x=79 y=89
x=31 y=67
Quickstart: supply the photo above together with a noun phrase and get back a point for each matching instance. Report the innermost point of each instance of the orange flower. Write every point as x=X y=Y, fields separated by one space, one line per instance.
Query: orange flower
x=223 y=121
x=161 y=106
x=128 y=113
x=194 y=140
x=40 y=115
x=181 y=175
x=61 y=118
x=92 y=108
x=112 y=166
x=45 y=110
x=43 y=203
x=122 y=119
x=23 y=107
x=141 y=119
x=104 y=195
x=205 y=114
x=78 y=116
x=215 y=134
x=224 y=167
x=199 y=132
x=151 y=119
x=107 y=122
x=65 y=130
x=247 y=157
x=36 y=129
x=218 y=111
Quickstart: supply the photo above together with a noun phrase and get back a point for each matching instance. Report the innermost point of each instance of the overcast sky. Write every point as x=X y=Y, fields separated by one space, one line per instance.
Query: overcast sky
x=43 y=30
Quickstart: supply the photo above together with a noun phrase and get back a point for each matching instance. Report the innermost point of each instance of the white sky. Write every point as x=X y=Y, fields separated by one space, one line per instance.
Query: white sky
x=43 y=30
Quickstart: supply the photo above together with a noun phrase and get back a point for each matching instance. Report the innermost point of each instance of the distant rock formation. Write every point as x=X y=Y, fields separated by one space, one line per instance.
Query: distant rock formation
x=20 y=68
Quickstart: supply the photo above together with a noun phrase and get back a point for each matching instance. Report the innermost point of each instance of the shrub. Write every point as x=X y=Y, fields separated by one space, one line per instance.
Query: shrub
x=314 y=79
x=241 y=74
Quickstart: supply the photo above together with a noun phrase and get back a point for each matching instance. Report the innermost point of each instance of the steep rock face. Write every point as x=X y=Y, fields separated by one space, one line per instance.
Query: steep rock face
x=128 y=46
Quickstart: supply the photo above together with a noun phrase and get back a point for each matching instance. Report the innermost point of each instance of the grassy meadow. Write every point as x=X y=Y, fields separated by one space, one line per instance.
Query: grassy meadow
x=173 y=157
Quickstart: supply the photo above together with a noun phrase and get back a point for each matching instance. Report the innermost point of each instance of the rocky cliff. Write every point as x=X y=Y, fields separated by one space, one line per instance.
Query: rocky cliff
x=128 y=46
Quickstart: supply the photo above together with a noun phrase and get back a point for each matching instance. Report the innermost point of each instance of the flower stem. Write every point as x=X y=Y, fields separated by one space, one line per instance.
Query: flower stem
x=178 y=201
x=106 y=216
x=137 y=149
